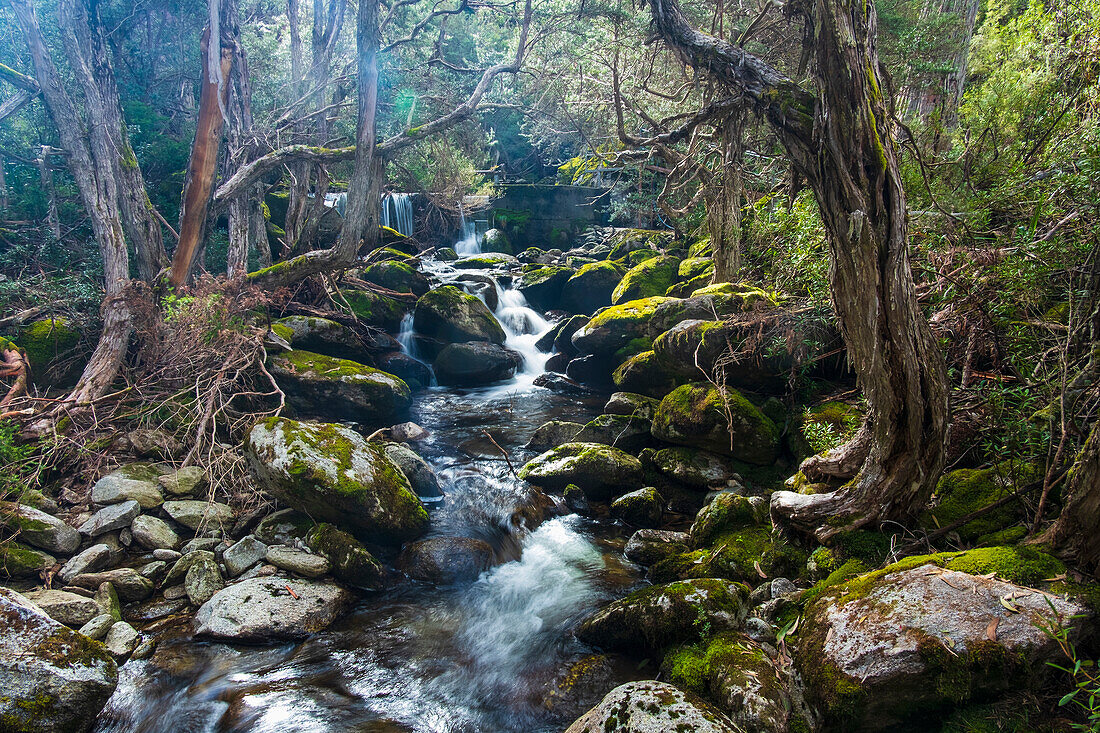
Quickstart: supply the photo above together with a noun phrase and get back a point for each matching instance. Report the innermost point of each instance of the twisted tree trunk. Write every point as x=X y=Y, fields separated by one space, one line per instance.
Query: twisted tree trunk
x=1075 y=535
x=839 y=141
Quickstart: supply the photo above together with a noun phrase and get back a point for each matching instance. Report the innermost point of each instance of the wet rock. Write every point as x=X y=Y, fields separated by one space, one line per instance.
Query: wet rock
x=38 y=529
x=64 y=607
x=397 y=276
x=651 y=277
x=562 y=385
x=557 y=363
x=297 y=561
x=20 y=561
x=616 y=327
x=322 y=386
x=591 y=369
x=495 y=240
x=121 y=640
x=263 y=609
x=351 y=562
x=554 y=433
x=330 y=473
x=98 y=627
x=188 y=481
x=412 y=372
x=641 y=508
x=695 y=468
x=591 y=287
x=375 y=309
x=631 y=404
x=154 y=533
x=203 y=580
x=130 y=584
x=483 y=287
x=583 y=685
x=243 y=555
x=651 y=619
x=448 y=314
x=407 y=432
x=491 y=260
x=886 y=648
x=542 y=286
x=420 y=475
x=644 y=374
x=625 y=432
x=600 y=470
x=90 y=560
x=53 y=679
x=110 y=518
x=650 y=546
x=576 y=501
x=652 y=707
x=154 y=571
x=473 y=364
x=444 y=560
x=722 y=421
x=195 y=514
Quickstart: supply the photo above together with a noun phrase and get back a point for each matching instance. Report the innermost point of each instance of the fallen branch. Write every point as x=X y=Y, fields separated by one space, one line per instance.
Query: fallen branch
x=502 y=452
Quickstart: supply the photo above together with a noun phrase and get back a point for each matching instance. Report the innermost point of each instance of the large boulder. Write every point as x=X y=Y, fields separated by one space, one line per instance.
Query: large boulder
x=51 y=678
x=616 y=327
x=625 y=432
x=420 y=475
x=496 y=240
x=397 y=276
x=137 y=482
x=50 y=343
x=652 y=277
x=375 y=309
x=326 y=387
x=601 y=471
x=332 y=474
x=695 y=349
x=37 y=528
x=625 y=241
x=554 y=433
x=641 y=508
x=652 y=707
x=453 y=316
x=474 y=364
x=590 y=288
x=718 y=420
x=265 y=609
x=408 y=369
x=542 y=286
x=711 y=302
x=323 y=336
x=443 y=560
x=650 y=546
x=643 y=373
x=654 y=618
x=694 y=468
x=892 y=647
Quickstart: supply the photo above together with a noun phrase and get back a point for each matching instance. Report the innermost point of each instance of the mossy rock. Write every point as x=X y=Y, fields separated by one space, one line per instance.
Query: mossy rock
x=686 y=288
x=700 y=248
x=322 y=386
x=49 y=343
x=600 y=470
x=695 y=349
x=490 y=261
x=625 y=241
x=542 y=286
x=590 y=288
x=351 y=562
x=613 y=328
x=652 y=619
x=735 y=556
x=645 y=374
x=823 y=427
x=710 y=302
x=398 y=276
x=496 y=240
x=697 y=469
x=721 y=421
x=694 y=267
x=22 y=562
x=322 y=336
x=642 y=508
x=625 y=432
x=639 y=256
x=330 y=473
x=726 y=513
x=446 y=254
x=376 y=310
x=453 y=316
x=647 y=279
x=966 y=490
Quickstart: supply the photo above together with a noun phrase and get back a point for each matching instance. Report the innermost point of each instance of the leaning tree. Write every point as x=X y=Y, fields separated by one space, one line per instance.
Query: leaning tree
x=838 y=139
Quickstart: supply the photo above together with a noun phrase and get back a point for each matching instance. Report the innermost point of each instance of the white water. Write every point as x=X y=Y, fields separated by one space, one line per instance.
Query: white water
x=405 y=336
x=397 y=213
x=523 y=326
x=470 y=244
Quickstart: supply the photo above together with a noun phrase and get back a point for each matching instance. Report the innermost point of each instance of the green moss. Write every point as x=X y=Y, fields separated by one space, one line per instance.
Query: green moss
x=722 y=421
x=734 y=556
x=687 y=668
x=727 y=513
x=286 y=333
x=43 y=341
x=27 y=716
x=19 y=561
x=966 y=490
x=650 y=278
x=375 y=309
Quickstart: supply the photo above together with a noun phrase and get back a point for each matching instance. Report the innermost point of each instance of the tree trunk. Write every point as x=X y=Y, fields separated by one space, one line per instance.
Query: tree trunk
x=1075 y=535
x=3 y=187
x=204 y=158
x=840 y=143
x=724 y=211
x=45 y=177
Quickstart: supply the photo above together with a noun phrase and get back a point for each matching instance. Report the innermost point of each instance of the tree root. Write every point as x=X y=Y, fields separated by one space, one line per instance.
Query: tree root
x=842 y=462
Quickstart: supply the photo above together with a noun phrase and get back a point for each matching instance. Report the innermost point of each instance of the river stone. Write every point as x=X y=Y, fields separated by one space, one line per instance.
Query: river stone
x=64 y=607
x=179 y=570
x=590 y=288
x=332 y=474
x=262 y=609
x=420 y=475
x=542 y=286
x=474 y=364
x=202 y=580
x=187 y=481
x=650 y=546
x=632 y=404
x=243 y=555
x=351 y=562
x=444 y=560
x=652 y=277
x=642 y=373
x=154 y=533
x=19 y=561
x=654 y=618
x=411 y=371
x=39 y=529
x=52 y=678
x=130 y=584
x=200 y=543
x=600 y=470
x=641 y=508
x=453 y=316
x=297 y=561
x=167 y=555
x=652 y=707
x=902 y=642
x=701 y=415
x=115 y=488
x=407 y=432
x=98 y=627
x=121 y=640
x=554 y=433
x=324 y=336
x=90 y=560
x=322 y=386
x=625 y=432
x=726 y=513
x=616 y=327
x=695 y=468
x=283 y=527
x=154 y=571
x=106 y=599
x=582 y=685
x=110 y=518
x=194 y=513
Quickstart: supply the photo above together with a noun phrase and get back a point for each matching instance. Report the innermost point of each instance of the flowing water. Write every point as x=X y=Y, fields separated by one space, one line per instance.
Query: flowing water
x=473 y=657
x=397 y=213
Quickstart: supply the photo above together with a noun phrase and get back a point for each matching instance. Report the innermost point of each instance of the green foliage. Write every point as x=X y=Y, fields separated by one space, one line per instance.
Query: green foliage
x=787 y=247
x=1083 y=673
x=17 y=464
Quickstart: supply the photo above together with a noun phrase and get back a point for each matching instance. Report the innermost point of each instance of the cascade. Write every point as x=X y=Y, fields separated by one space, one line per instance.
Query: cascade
x=397 y=212
x=470 y=243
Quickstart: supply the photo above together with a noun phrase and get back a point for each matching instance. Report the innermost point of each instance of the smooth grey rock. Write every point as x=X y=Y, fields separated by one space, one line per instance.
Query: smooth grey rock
x=98 y=627
x=121 y=640
x=261 y=609
x=115 y=488
x=554 y=433
x=631 y=404
x=167 y=555
x=64 y=607
x=39 y=529
x=184 y=482
x=297 y=561
x=783 y=587
x=192 y=513
x=200 y=543
x=90 y=560
x=420 y=475
x=51 y=678
x=129 y=583
x=243 y=555
x=110 y=518
x=203 y=580
x=154 y=533
x=175 y=592
x=441 y=560
x=652 y=707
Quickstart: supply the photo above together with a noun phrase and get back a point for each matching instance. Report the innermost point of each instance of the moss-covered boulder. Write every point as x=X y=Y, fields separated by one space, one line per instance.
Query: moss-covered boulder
x=401 y=277
x=890 y=648
x=322 y=386
x=496 y=240
x=351 y=562
x=696 y=469
x=643 y=373
x=652 y=707
x=740 y=555
x=332 y=474
x=725 y=513
x=650 y=620
x=553 y=433
x=624 y=241
x=37 y=528
x=694 y=267
x=631 y=404
x=22 y=562
x=652 y=277
x=590 y=288
x=967 y=490
x=51 y=678
x=488 y=261
x=475 y=363
x=641 y=508
x=453 y=316
x=322 y=336
x=375 y=309
x=50 y=344
x=712 y=302
x=625 y=432
x=719 y=420
x=616 y=327
x=542 y=286
x=650 y=546
x=601 y=471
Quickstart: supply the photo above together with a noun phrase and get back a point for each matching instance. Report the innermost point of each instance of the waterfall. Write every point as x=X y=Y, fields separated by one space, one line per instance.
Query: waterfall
x=470 y=243
x=397 y=212
x=405 y=336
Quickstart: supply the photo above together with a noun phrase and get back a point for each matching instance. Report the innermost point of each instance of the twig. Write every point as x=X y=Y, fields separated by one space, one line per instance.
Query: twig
x=502 y=452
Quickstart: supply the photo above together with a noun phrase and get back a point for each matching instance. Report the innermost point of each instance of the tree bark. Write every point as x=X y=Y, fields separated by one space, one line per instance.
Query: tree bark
x=839 y=141
x=1075 y=535
x=45 y=177
x=724 y=211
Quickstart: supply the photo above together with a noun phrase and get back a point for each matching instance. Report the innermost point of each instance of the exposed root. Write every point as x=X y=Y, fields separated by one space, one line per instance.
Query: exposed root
x=842 y=462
